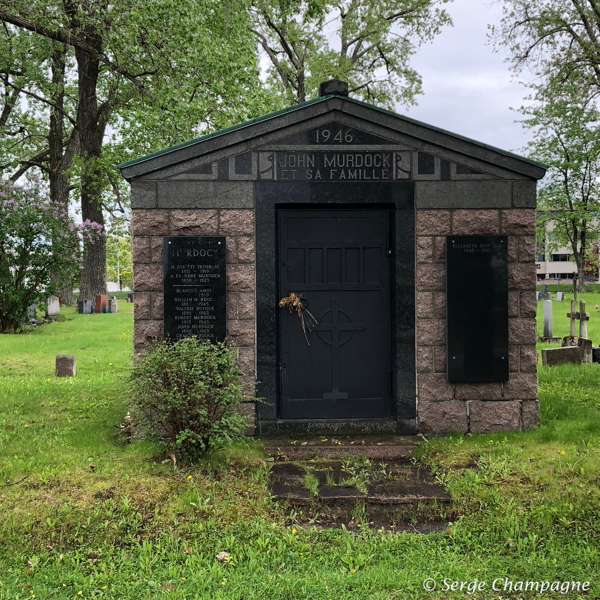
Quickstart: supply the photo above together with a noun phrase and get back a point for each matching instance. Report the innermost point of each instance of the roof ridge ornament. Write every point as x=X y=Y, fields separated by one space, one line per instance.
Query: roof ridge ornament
x=334 y=86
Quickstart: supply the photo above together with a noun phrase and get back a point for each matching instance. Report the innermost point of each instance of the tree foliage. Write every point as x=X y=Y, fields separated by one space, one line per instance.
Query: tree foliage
x=367 y=43
x=564 y=122
x=31 y=226
x=137 y=76
x=554 y=38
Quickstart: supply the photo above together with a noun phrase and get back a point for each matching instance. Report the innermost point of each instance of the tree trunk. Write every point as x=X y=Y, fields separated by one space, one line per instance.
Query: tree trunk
x=59 y=181
x=580 y=261
x=93 y=275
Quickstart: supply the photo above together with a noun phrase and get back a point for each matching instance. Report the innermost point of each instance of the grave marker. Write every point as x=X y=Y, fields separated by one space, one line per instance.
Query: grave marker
x=85 y=307
x=560 y=296
x=573 y=316
x=584 y=317
x=578 y=315
x=101 y=302
x=53 y=307
x=561 y=356
x=113 y=305
x=66 y=365
x=31 y=311
x=548 y=318
x=538 y=296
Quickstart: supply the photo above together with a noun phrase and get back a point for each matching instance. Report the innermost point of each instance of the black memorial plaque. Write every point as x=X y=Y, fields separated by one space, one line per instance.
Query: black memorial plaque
x=477 y=307
x=195 y=288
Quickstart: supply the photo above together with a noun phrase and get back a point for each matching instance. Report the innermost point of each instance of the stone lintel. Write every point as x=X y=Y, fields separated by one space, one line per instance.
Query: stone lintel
x=205 y=194
x=463 y=194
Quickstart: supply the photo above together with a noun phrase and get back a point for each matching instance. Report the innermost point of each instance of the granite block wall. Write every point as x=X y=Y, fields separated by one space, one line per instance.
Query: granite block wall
x=475 y=407
x=149 y=227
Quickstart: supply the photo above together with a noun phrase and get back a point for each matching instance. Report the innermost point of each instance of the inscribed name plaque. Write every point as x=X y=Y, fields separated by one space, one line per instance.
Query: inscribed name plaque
x=477 y=307
x=195 y=284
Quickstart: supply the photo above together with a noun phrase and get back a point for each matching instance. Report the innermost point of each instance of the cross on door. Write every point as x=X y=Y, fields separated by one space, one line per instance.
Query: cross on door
x=335 y=327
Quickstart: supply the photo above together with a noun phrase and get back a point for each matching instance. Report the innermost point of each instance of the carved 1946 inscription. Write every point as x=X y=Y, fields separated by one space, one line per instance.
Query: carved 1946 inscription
x=195 y=288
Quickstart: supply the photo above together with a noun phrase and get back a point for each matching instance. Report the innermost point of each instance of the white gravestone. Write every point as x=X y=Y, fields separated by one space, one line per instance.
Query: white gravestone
x=560 y=296
x=113 y=305
x=584 y=317
x=547 y=318
x=53 y=308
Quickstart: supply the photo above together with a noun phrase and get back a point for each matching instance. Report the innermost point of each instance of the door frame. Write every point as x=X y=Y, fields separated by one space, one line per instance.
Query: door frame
x=398 y=197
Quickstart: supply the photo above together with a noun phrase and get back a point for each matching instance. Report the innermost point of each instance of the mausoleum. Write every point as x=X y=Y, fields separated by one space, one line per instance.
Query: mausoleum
x=376 y=273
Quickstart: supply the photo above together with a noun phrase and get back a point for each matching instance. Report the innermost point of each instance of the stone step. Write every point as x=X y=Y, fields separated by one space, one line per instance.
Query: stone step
x=390 y=448
x=375 y=482
x=389 y=493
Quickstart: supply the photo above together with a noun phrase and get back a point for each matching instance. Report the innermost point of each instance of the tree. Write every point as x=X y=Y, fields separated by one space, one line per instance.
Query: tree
x=30 y=271
x=564 y=122
x=554 y=38
x=170 y=66
x=369 y=46
x=592 y=261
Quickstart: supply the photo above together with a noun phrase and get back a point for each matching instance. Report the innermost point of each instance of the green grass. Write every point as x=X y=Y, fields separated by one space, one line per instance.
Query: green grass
x=114 y=521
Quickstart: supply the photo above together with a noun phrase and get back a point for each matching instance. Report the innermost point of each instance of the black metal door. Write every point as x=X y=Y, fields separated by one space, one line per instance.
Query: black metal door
x=338 y=260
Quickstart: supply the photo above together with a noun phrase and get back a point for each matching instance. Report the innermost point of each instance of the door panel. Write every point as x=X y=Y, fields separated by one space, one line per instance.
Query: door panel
x=338 y=261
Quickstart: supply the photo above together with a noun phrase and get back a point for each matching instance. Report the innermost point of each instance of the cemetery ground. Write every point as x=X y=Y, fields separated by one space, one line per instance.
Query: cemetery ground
x=85 y=516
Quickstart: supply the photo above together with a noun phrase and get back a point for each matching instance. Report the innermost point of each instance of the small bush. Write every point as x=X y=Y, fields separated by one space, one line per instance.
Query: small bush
x=186 y=393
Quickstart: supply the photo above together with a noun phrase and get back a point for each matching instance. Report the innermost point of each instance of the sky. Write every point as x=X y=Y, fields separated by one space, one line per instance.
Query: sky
x=468 y=89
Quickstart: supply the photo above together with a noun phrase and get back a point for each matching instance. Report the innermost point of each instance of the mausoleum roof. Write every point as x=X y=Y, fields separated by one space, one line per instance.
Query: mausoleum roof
x=304 y=106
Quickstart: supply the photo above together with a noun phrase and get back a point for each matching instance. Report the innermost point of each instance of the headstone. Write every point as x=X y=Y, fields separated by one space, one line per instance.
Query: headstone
x=53 y=308
x=477 y=308
x=548 y=296
x=195 y=287
x=586 y=348
x=538 y=296
x=88 y=307
x=573 y=318
x=578 y=315
x=583 y=319
x=114 y=305
x=560 y=296
x=32 y=311
x=548 y=318
x=130 y=298
x=596 y=354
x=66 y=365
x=545 y=288
x=552 y=357
x=101 y=303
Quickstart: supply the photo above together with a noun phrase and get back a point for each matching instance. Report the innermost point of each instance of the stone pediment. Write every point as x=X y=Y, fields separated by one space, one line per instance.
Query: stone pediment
x=332 y=139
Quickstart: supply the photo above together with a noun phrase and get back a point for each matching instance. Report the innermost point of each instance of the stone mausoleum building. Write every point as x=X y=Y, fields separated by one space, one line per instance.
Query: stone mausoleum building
x=411 y=250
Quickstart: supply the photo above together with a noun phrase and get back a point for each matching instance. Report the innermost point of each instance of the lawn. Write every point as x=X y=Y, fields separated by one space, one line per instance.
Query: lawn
x=85 y=516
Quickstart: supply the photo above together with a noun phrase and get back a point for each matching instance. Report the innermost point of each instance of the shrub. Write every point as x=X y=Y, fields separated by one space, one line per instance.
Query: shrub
x=186 y=394
x=40 y=249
